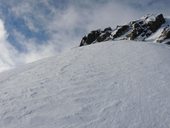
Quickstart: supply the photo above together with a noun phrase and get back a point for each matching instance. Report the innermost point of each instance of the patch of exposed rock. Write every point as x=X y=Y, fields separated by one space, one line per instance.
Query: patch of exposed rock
x=135 y=30
x=165 y=35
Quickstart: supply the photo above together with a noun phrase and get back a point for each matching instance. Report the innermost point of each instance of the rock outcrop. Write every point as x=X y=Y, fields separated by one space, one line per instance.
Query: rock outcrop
x=96 y=36
x=165 y=35
x=136 y=30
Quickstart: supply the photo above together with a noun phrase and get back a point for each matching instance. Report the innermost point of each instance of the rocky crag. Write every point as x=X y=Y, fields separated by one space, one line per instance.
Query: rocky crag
x=139 y=30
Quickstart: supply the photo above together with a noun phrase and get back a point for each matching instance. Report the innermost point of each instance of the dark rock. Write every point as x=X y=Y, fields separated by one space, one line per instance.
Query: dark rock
x=160 y=18
x=135 y=25
x=168 y=43
x=107 y=29
x=104 y=37
x=121 y=30
x=145 y=29
x=135 y=30
x=83 y=41
x=96 y=35
x=92 y=36
x=155 y=25
x=133 y=34
x=164 y=35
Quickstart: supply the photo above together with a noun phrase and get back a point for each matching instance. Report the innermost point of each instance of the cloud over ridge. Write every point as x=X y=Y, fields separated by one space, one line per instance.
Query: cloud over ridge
x=31 y=30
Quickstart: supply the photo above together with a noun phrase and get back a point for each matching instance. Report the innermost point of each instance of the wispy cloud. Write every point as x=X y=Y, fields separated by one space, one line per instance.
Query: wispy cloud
x=31 y=30
x=6 y=50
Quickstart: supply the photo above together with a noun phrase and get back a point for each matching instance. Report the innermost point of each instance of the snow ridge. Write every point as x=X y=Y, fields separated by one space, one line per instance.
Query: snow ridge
x=108 y=85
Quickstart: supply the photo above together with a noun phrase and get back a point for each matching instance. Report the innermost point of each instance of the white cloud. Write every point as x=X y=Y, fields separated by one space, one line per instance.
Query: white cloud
x=10 y=57
x=34 y=51
x=66 y=26
x=6 y=50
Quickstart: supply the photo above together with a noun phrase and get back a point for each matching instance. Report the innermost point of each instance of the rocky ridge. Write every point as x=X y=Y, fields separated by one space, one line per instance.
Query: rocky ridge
x=139 y=30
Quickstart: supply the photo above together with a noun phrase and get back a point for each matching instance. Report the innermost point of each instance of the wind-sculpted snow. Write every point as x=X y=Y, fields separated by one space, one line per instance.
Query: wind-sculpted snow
x=109 y=85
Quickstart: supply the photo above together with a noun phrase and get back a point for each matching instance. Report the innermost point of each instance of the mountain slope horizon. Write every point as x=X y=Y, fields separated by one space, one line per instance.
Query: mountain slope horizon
x=111 y=84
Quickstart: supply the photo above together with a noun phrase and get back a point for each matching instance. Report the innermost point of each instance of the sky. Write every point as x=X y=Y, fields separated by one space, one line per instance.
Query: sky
x=34 y=29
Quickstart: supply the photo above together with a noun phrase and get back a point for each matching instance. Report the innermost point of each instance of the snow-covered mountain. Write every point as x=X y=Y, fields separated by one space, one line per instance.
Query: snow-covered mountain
x=152 y=27
x=116 y=84
x=121 y=83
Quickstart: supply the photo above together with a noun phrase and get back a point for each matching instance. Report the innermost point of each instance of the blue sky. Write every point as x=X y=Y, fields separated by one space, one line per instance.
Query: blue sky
x=34 y=29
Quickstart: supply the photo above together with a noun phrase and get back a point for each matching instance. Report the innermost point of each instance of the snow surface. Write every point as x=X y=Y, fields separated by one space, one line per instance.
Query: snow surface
x=120 y=84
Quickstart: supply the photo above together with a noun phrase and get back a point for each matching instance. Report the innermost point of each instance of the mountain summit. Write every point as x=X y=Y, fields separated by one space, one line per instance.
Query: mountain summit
x=116 y=84
x=139 y=30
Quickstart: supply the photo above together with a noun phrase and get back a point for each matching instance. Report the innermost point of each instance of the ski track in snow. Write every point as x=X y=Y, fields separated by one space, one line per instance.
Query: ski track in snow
x=120 y=84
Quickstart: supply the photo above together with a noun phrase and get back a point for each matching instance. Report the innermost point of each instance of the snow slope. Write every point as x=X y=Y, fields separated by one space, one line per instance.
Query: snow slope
x=120 y=84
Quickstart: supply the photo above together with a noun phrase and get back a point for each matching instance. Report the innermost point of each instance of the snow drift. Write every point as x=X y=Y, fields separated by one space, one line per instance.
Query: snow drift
x=120 y=84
